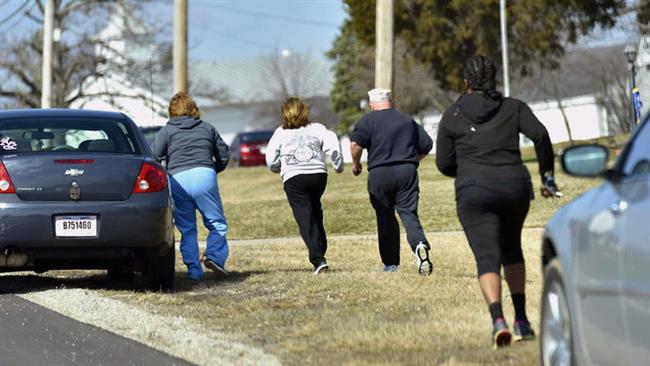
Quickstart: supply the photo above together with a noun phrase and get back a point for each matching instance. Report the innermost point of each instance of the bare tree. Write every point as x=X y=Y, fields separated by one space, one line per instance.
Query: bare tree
x=287 y=74
x=557 y=96
x=79 y=55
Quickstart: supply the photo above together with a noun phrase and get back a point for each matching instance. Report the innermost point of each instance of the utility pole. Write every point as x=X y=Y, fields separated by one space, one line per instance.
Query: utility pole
x=504 y=49
x=180 y=46
x=384 y=44
x=48 y=30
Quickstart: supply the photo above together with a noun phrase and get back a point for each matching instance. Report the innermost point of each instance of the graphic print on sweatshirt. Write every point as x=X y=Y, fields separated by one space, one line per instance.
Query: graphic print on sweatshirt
x=308 y=148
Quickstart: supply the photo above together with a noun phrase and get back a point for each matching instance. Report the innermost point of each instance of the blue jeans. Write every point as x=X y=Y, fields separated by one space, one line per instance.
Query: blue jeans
x=193 y=189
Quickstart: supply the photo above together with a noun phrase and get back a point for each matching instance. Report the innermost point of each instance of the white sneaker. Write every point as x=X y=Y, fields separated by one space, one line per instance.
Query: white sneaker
x=322 y=267
x=424 y=264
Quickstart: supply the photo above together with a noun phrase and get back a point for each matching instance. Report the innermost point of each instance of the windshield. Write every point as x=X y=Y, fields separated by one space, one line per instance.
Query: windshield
x=66 y=135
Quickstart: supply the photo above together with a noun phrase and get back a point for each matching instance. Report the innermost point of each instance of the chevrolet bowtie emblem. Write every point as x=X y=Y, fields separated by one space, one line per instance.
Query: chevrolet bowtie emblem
x=74 y=172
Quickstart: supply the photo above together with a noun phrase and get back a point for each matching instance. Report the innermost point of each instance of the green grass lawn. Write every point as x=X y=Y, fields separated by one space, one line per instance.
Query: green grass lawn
x=256 y=206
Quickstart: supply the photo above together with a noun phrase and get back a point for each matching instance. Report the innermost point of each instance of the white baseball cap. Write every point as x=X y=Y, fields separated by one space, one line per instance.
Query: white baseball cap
x=379 y=95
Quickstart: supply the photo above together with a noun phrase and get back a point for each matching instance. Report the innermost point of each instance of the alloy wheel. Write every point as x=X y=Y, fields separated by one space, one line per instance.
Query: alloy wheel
x=556 y=325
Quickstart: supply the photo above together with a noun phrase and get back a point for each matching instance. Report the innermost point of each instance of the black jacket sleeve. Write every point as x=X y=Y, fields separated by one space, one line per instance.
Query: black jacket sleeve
x=424 y=142
x=446 y=149
x=532 y=128
x=221 y=152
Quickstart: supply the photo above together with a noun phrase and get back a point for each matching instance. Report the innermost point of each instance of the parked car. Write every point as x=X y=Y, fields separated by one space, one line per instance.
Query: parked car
x=249 y=148
x=596 y=259
x=80 y=189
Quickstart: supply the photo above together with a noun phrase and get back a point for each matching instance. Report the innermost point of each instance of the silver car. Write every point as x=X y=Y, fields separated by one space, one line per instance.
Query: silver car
x=596 y=259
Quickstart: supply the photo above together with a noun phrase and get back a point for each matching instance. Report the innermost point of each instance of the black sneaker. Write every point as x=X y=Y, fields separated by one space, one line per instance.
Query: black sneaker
x=424 y=264
x=522 y=331
x=321 y=267
x=217 y=269
x=501 y=336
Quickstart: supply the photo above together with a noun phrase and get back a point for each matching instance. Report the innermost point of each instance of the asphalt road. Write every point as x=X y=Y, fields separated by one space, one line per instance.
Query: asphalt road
x=33 y=335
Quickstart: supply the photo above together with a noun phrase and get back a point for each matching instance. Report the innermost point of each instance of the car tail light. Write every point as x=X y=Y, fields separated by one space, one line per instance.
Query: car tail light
x=150 y=179
x=245 y=148
x=6 y=186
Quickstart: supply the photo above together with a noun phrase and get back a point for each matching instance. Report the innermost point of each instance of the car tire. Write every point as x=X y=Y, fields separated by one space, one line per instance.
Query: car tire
x=158 y=273
x=556 y=337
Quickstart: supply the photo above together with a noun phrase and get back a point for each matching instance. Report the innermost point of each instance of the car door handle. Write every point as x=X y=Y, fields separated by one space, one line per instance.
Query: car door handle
x=618 y=207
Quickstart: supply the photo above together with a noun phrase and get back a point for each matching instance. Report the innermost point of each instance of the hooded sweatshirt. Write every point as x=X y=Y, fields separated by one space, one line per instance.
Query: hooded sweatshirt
x=186 y=142
x=303 y=150
x=479 y=137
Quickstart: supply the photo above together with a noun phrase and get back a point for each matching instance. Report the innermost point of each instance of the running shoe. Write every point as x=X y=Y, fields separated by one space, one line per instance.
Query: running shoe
x=391 y=268
x=501 y=335
x=424 y=264
x=217 y=269
x=321 y=267
x=522 y=331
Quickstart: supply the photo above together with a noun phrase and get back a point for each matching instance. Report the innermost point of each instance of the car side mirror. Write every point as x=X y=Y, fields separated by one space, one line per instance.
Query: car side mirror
x=585 y=160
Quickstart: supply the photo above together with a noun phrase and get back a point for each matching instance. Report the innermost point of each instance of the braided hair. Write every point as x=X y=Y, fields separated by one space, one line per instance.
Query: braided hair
x=480 y=73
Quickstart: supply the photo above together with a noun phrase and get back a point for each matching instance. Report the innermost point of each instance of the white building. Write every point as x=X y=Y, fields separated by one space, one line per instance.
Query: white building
x=587 y=118
x=115 y=92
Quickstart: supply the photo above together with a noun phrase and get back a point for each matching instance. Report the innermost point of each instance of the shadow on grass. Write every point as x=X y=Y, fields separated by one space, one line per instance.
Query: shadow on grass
x=96 y=280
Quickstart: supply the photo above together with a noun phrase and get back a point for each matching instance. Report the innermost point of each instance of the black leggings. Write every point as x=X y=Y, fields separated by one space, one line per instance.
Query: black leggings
x=492 y=212
x=304 y=192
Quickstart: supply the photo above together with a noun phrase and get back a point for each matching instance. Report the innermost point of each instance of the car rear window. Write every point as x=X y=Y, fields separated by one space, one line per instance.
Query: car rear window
x=256 y=136
x=66 y=135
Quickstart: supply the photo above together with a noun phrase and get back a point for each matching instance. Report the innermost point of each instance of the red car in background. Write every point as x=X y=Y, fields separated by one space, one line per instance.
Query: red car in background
x=249 y=148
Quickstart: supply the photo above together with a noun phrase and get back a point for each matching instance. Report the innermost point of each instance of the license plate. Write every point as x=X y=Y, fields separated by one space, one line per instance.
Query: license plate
x=75 y=226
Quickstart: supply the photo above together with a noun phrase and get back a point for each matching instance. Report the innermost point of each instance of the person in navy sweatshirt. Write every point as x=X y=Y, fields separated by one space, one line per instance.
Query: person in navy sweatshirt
x=395 y=144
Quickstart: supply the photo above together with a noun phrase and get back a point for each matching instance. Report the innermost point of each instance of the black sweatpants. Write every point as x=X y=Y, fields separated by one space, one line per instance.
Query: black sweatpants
x=492 y=212
x=395 y=187
x=304 y=192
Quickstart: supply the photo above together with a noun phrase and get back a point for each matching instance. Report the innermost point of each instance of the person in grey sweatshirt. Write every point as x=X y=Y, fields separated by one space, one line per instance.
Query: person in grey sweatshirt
x=297 y=150
x=195 y=153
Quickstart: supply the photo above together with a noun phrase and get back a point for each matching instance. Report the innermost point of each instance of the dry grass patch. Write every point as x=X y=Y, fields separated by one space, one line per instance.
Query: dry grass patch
x=355 y=314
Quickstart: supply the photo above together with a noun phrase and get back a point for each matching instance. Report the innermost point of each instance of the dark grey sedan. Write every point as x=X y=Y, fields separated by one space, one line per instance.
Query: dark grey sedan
x=81 y=190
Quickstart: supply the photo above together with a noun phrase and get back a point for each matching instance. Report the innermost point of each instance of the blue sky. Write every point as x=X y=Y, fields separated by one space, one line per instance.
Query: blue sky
x=242 y=29
x=228 y=29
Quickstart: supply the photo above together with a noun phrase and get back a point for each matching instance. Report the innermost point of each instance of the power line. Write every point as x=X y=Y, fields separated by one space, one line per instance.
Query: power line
x=20 y=19
x=20 y=8
x=230 y=36
x=317 y=23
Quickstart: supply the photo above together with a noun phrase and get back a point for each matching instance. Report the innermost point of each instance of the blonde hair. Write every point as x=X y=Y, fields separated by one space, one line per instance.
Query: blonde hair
x=182 y=104
x=295 y=113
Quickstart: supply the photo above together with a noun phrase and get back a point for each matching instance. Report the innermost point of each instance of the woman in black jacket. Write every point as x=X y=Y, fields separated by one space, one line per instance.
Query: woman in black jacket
x=478 y=144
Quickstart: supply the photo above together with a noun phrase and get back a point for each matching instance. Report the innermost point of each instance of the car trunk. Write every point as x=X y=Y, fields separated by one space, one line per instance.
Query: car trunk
x=73 y=177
